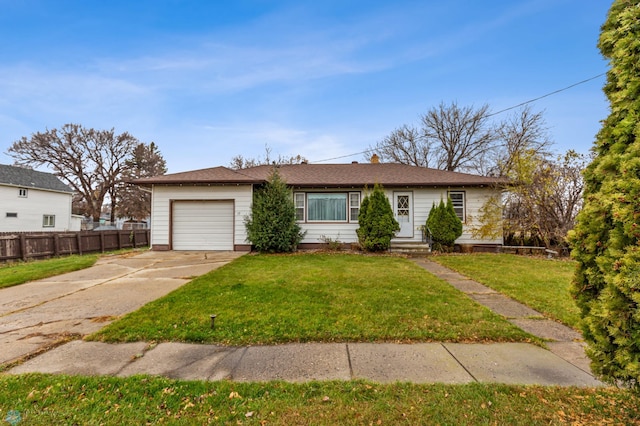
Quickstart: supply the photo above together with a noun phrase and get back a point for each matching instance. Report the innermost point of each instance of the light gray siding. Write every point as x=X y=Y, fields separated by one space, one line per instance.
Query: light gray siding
x=474 y=200
x=423 y=200
x=241 y=195
x=29 y=210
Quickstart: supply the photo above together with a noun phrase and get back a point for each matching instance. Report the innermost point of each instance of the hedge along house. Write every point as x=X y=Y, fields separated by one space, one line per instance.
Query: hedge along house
x=206 y=209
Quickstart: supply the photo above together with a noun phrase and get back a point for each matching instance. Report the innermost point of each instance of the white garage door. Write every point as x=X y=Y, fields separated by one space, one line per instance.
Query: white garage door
x=202 y=225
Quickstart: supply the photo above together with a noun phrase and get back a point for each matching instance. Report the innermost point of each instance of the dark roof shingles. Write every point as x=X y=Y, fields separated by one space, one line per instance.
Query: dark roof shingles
x=27 y=178
x=330 y=175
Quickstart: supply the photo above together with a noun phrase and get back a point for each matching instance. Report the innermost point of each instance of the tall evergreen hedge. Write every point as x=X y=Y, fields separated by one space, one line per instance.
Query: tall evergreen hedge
x=606 y=237
x=377 y=224
x=272 y=227
x=445 y=225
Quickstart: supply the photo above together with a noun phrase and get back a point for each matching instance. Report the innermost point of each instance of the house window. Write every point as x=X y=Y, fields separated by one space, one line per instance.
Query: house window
x=48 y=221
x=457 y=199
x=22 y=192
x=354 y=206
x=298 y=199
x=12 y=214
x=327 y=207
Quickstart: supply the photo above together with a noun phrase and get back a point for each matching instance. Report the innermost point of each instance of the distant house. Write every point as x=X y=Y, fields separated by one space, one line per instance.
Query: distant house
x=205 y=209
x=34 y=201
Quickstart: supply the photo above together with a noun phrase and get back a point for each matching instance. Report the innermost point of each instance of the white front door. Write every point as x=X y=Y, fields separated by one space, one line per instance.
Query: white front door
x=403 y=211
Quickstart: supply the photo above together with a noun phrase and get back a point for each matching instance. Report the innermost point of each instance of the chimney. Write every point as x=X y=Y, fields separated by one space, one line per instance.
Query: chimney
x=375 y=159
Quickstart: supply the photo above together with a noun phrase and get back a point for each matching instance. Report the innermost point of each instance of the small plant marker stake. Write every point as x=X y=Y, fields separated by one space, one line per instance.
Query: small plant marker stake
x=213 y=319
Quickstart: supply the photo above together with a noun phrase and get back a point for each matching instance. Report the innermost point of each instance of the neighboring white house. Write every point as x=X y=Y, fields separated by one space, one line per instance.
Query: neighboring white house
x=33 y=201
x=206 y=209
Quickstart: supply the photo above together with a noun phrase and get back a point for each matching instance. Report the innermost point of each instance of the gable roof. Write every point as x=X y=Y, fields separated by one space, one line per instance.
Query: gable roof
x=330 y=175
x=27 y=178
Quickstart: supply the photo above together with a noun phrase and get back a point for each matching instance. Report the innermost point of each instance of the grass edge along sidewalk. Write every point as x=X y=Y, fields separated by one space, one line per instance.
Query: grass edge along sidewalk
x=314 y=297
x=17 y=273
x=38 y=399
x=540 y=283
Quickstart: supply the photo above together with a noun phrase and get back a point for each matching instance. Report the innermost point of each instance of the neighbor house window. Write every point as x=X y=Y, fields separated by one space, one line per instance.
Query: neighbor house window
x=22 y=192
x=12 y=214
x=48 y=221
x=457 y=199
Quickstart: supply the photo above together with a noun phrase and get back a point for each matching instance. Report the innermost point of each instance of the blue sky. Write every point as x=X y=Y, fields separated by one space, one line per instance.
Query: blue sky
x=208 y=80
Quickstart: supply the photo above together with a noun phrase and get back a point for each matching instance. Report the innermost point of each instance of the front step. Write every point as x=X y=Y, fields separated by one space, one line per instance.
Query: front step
x=410 y=248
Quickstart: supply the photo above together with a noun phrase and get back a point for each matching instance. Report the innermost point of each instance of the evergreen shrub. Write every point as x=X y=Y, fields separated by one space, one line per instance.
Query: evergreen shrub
x=272 y=226
x=377 y=224
x=445 y=226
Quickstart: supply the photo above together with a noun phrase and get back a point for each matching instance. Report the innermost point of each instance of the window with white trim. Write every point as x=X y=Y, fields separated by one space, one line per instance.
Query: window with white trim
x=458 y=201
x=298 y=199
x=22 y=192
x=354 y=206
x=48 y=221
x=327 y=206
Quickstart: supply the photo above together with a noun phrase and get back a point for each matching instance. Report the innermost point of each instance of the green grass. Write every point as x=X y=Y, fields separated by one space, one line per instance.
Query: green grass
x=270 y=299
x=542 y=284
x=47 y=399
x=22 y=272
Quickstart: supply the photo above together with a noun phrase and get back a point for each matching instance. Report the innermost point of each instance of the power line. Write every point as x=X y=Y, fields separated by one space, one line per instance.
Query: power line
x=493 y=113
x=548 y=94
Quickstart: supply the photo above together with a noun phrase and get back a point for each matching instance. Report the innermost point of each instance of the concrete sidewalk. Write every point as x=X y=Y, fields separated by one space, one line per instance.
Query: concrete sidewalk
x=510 y=363
x=563 y=341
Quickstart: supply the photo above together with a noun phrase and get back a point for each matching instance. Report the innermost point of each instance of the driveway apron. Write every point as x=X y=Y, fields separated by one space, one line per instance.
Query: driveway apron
x=40 y=314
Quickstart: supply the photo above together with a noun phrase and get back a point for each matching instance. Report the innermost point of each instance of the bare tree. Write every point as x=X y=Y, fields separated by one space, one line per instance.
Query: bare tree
x=524 y=131
x=145 y=161
x=405 y=145
x=463 y=136
x=239 y=162
x=449 y=138
x=89 y=161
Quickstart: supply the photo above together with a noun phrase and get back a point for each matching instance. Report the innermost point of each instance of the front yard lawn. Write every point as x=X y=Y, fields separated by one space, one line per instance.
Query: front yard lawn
x=542 y=284
x=270 y=299
x=21 y=272
x=48 y=399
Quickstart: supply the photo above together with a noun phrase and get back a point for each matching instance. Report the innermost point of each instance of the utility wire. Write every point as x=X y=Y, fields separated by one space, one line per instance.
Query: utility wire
x=548 y=94
x=492 y=114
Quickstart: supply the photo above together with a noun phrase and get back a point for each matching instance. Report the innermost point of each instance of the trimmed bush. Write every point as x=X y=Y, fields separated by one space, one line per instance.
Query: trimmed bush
x=272 y=227
x=445 y=226
x=377 y=224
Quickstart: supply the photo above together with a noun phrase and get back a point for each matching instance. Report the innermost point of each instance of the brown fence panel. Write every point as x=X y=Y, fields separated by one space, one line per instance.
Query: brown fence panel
x=26 y=245
x=9 y=247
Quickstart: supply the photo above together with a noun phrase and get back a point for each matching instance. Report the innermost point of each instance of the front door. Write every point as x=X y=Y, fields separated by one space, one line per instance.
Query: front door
x=403 y=211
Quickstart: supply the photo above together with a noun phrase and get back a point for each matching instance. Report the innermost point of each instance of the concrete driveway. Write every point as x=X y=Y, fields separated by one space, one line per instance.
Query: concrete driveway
x=40 y=314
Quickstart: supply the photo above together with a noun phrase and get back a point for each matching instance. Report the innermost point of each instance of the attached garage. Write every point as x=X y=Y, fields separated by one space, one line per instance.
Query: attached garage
x=202 y=224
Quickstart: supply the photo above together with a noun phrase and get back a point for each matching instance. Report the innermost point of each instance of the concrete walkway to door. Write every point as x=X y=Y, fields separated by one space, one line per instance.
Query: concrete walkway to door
x=40 y=314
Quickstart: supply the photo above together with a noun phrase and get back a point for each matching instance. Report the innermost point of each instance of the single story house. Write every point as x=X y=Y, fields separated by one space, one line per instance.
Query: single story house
x=206 y=209
x=34 y=201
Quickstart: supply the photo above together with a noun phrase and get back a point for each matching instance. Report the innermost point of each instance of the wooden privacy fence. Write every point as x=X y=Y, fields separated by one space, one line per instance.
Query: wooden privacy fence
x=24 y=246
